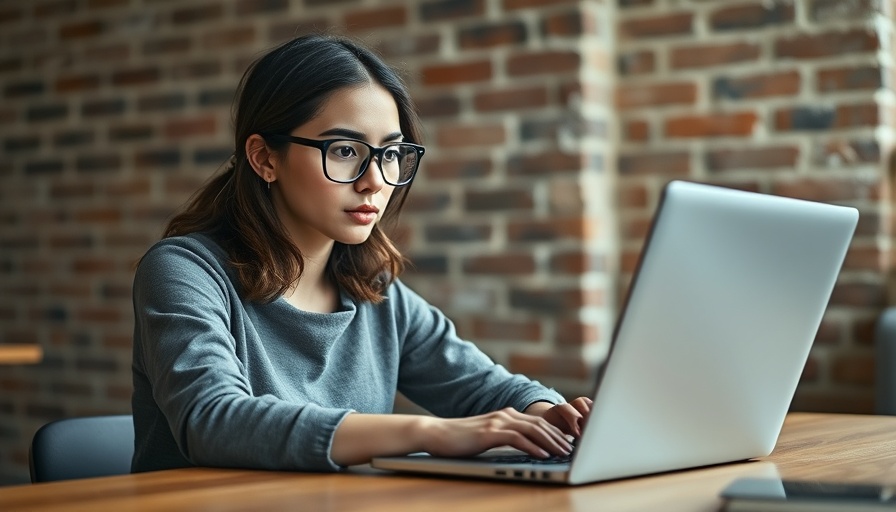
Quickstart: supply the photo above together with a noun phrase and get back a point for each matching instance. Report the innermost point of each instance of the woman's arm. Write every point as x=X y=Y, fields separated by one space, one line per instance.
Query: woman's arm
x=361 y=437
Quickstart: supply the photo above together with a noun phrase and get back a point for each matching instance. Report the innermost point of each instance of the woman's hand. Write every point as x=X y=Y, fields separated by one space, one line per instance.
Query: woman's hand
x=569 y=418
x=470 y=436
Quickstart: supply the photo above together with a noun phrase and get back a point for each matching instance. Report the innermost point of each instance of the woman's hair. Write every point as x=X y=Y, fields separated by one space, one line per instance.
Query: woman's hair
x=283 y=89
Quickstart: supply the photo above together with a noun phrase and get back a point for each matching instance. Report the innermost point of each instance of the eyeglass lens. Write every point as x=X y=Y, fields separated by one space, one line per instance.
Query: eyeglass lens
x=347 y=159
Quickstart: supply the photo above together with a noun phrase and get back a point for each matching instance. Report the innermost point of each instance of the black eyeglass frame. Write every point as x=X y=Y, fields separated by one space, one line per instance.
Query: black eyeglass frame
x=375 y=152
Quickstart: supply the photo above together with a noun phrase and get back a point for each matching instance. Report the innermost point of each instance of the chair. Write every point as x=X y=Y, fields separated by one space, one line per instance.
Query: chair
x=82 y=448
x=885 y=363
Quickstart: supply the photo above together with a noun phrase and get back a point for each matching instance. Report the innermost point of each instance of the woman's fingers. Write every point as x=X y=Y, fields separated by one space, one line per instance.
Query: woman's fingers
x=469 y=436
x=539 y=431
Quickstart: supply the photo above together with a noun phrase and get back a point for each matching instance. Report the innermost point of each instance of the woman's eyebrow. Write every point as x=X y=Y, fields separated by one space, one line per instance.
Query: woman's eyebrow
x=352 y=134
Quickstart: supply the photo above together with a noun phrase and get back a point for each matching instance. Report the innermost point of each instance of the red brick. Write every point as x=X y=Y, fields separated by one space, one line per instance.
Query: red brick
x=70 y=290
x=827 y=44
x=93 y=265
x=99 y=215
x=539 y=63
x=77 y=83
x=135 y=187
x=425 y=201
x=849 y=78
x=441 y=10
x=408 y=45
x=747 y=16
x=636 y=131
x=491 y=35
x=838 y=153
x=752 y=158
x=458 y=73
x=549 y=366
x=106 y=4
x=10 y=14
x=711 y=125
x=825 y=190
x=457 y=168
x=637 y=62
x=199 y=14
x=196 y=70
x=511 y=330
x=57 y=8
x=672 y=24
x=861 y=115
x=647 y=95
x=81 y=30
x=136 y=76
x=167 y=45
x=177 y=129
x=504 y=264
x=577 y=334
x=252 y=7
x=80 y=189
x=511 y=5
x=659 y=163
x=708 y=55
x=865 y=257
x=511 y=99
x=108 y=53
x=577 y=92
x=569 y=24
x=365 y=19
x=863 y=331
x=558 y=228
x=761 y=85
x=545 y=164
x=854 y=369
x=810 y=371
x=577 y=262
x=503 y=200
x=632 y=196
x=466 y=135
x=232 y=37
x=440 y=105
x=859 y=295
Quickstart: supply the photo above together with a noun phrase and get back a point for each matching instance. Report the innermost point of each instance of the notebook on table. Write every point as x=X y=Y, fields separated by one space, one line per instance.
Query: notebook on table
x=709 y=347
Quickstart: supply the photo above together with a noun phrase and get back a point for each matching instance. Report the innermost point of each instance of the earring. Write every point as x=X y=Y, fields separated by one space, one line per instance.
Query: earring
x=269 y=186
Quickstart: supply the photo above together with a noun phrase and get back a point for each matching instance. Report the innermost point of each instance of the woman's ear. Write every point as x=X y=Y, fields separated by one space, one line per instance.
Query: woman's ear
x=262 y=159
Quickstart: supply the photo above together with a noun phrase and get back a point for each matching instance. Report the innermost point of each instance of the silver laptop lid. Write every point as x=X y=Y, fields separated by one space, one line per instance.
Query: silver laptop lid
x=728 y=296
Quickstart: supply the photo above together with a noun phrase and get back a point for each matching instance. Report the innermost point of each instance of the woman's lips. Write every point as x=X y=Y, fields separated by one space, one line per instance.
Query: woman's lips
x=363 y=215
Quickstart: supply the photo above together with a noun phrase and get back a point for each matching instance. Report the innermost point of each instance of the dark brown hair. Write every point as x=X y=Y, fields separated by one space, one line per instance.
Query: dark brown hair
x=280 y=91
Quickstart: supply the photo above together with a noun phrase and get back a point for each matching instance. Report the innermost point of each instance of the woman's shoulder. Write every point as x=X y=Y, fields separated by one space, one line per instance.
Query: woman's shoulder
x=401 y=296
x=176 y=251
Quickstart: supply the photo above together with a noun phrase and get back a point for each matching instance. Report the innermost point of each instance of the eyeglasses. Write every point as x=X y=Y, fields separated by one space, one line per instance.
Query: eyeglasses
x=346 y=160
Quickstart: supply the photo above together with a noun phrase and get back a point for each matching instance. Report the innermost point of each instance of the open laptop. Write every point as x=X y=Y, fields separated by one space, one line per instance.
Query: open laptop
x=706 y=356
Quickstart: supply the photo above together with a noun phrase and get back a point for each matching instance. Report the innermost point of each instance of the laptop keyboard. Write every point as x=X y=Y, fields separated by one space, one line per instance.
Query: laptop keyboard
x=525 y=459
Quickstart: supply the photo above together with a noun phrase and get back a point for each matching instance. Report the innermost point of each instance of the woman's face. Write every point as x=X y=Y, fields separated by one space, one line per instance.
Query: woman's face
x=317 y=211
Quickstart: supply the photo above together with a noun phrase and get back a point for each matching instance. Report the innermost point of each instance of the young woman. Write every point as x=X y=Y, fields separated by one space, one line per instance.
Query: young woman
x=271 y=329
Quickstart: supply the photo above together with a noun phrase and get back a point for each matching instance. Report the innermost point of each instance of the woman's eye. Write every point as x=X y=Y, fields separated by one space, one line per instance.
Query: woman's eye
x=344 y=151
x=390 y=155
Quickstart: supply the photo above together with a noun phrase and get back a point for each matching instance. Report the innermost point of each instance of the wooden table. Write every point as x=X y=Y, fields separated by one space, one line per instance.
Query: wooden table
x=812 y=446
x=20 y=353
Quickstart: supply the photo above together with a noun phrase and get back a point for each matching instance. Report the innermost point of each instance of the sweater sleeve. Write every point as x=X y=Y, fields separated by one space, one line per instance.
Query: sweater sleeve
x=184 y=309
x=451 y=377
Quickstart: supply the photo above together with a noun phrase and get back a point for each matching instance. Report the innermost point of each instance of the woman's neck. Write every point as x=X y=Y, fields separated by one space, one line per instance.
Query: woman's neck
x=314 y=291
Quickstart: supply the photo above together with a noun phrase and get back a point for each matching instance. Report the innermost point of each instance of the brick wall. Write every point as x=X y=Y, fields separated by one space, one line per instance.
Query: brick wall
x=551 y=125
x=784 y=97
x=114 y=111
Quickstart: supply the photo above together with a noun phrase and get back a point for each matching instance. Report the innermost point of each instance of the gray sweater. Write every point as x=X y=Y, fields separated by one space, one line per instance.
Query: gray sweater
x=220 y=381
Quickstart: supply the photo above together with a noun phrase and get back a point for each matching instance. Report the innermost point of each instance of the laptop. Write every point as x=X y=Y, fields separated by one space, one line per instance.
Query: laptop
x=713 y=336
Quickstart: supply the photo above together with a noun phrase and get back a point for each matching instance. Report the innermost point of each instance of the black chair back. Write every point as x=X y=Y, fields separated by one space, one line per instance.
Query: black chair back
x=82 y=448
